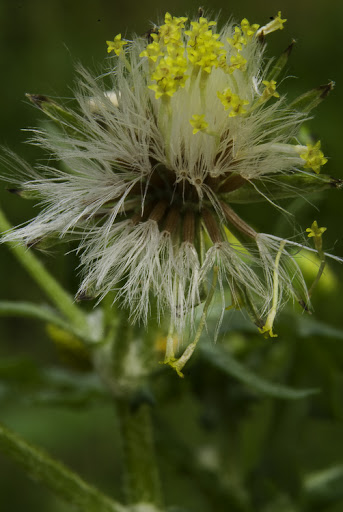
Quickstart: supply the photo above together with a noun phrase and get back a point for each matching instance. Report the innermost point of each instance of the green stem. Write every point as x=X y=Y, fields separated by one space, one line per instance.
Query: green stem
x=40 y=312
x=142 y=478
x=54 y=475
x=321 y=255
x=62 y=300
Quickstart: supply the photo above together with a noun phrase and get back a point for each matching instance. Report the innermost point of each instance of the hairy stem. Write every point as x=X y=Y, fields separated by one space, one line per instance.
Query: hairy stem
x=54 y=475
x=142 y=481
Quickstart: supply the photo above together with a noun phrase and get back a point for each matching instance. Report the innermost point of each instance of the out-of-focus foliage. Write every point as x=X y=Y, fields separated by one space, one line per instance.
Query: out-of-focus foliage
x=222 y=444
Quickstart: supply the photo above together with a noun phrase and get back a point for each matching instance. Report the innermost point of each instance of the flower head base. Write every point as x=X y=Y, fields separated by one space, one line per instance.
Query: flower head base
x=152 y=199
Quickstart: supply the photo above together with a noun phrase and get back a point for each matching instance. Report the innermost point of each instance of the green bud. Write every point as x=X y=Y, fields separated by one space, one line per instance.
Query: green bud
x=280 y=63
x=282 y=187
x=311 y=99
x=67 y=121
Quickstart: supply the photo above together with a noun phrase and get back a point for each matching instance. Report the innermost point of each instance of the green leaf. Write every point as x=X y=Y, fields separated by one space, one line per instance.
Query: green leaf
x=282 y=187
x=324 y=486
x=308 y=327
x=280 y=63
x=311 y=99
x=40 y=312
x=29 y=384
x=223 y=361
x=53 y=474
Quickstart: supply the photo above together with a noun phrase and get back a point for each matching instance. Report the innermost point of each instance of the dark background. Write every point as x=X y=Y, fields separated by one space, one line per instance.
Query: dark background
x=40 y=43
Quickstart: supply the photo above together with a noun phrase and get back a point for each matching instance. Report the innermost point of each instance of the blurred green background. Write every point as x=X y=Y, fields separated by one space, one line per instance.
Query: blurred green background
x=40 y=43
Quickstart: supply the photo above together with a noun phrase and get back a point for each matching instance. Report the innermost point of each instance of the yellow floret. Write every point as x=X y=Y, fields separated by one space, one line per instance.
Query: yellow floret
x=198 y=122
x=238 y=40
x=276 y=24
x=169 y=74
x=174 y=21
x=237 y=62
x=116 y=45
x=270 y=90
x=200 y=27
x=204 y=49
x=313 y=157
x=315 y=231
x=249 y=30
x=152 y=51
x=170 y=32
x=232 y=101
x=238 y=106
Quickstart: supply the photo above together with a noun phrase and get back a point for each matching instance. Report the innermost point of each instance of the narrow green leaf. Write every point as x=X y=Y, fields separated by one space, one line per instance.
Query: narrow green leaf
x=39 y=312
x=65 y=119
x=324 y=486
x=29 y=310
x=24 y=194
x=223 y=361
x=54 y=475
x=311 y=99
x=282 y=187
x=280 y=63
x=309 y=327
x=30 y=384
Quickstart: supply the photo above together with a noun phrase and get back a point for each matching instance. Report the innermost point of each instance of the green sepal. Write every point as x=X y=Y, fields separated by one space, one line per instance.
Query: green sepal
x=282 y=187
x=311 y=99
x=23 y=193
x=65 y=119
x=280 y=63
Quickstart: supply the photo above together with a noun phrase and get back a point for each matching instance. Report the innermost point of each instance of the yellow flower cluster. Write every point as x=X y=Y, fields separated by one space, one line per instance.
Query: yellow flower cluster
x=314 y=157
x=232 y=101
x=242 y=34
x=241 y=37
x=204 y=49
x=169 y=73
x=169 y=58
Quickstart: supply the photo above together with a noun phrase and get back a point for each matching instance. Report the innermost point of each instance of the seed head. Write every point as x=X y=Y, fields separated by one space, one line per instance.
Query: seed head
x=149 y=182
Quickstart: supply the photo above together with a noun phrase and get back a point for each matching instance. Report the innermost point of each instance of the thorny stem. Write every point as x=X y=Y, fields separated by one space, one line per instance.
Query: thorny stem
x=62 y=300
